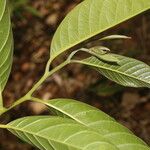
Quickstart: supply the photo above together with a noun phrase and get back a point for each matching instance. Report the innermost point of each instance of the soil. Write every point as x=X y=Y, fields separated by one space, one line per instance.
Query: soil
x=32 y=35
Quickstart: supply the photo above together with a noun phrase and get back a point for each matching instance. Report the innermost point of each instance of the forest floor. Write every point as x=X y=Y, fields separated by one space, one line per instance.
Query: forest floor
x=32 y=35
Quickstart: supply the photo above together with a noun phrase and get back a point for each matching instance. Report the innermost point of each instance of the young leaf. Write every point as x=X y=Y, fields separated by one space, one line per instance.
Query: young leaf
x=103 y=54
x=130 y=72
x=6 y=44
x=56 y=133
x=114 y=37
x=98 y=121
x=99 y=52
x=92 y=17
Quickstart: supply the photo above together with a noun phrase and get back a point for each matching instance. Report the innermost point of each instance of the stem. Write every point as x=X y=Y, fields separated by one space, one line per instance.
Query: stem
x=35 y=87
x=38 y=100
x=43 y=78
x=46 y=75
x=2 y=126
x=48 y=65
x=19 y=101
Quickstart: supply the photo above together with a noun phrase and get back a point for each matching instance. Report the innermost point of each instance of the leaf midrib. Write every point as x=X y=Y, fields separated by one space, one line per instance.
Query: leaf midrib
x=109 y=69
x=34 y=134
x=94 y=34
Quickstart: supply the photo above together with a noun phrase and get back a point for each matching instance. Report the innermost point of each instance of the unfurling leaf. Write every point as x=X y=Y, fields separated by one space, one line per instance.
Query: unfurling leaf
x=114 y=37
x=103 y=54
x=99 y=52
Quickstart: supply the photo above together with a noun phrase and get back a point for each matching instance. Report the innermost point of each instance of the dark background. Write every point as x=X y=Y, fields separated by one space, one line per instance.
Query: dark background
x=34 y=23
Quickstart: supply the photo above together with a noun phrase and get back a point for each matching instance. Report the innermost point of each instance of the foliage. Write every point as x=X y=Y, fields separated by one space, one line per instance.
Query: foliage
x=128 y=71
x=6 y=43
x=92 y=17
x=75 y=125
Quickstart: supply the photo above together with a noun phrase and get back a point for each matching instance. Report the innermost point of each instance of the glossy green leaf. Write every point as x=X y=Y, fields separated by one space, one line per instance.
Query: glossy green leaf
x=128 y=72
x=6 y=44
x=56 y=133
x=98 y=121
x=92 y=17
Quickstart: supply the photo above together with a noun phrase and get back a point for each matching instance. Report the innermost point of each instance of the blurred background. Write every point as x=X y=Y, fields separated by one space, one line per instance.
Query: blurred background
x=34 y=24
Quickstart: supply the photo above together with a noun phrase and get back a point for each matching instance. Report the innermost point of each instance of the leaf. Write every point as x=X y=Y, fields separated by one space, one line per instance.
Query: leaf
x=99 y=52
x=98 y=121
x=106 y=49
x=130 y=72
x=92 y=17
x=103 y=54
x=56 y=133
x=114 y=37
x=2 y=8
x=6 y=44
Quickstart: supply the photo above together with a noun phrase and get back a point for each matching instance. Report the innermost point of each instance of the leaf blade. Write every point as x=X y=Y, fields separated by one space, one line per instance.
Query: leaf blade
x=6 y=44
x=2 y=8
x=80 y=24
x=96 y=120
x=130 y=72
x=48 y=133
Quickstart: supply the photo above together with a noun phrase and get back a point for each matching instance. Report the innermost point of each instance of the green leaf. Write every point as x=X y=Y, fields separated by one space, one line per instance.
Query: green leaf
x=103 y=54
x=97 y=121
x=99 y=52
x=56 y=133
x=92 y=17
x=130 y=72
x=2 y=8
x=6 y=44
